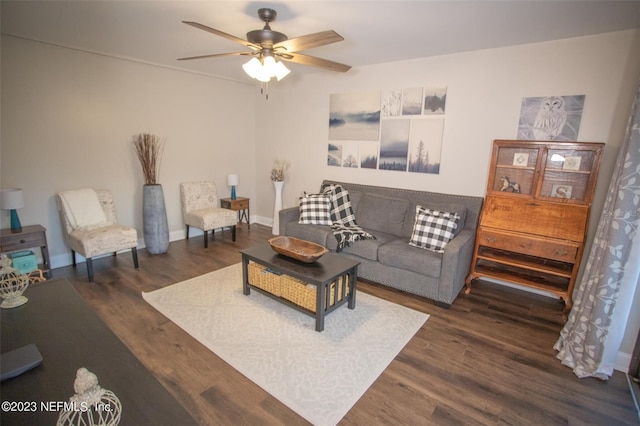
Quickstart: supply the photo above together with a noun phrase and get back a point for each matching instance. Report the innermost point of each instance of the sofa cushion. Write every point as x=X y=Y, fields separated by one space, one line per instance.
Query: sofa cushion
x=433 y=229
x=315 y=209
x=355 y=197
x=399 y=254
x=378 y=213
x=315 y=233
x=363 y=248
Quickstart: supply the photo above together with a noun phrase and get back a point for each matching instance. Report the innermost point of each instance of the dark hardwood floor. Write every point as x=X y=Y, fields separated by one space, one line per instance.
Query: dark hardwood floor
x=487 y=360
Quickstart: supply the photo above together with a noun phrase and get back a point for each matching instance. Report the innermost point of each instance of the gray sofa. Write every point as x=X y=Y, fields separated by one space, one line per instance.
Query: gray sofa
x=389 y=214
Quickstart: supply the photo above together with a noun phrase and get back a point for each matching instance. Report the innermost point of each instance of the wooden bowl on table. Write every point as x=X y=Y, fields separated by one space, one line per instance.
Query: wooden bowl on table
x=302 y=250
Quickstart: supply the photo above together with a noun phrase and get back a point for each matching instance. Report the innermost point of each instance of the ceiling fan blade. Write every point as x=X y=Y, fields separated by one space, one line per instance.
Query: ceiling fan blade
x=299 y=58
x=217 y=54
x=309 y=41
x=222 y=34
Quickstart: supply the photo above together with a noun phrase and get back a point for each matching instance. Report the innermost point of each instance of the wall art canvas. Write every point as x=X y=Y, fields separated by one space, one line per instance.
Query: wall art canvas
x=334 y=157
x=412 y=101
x=425 y=145
x=551 y=118
x=369 y=155
x=394 y=144
x=391 y=104
x=350 y=155
x=390 y=129
x=435 y=100
x=354 y=116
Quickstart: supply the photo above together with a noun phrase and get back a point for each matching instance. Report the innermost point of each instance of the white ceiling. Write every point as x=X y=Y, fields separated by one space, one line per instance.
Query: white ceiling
x=374 y=31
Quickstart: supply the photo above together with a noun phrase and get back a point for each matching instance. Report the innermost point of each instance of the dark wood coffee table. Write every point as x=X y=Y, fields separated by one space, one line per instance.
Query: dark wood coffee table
x=328 y=270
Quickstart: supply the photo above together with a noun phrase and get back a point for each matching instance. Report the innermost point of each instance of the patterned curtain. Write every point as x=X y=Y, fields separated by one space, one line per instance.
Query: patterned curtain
x=589 y=336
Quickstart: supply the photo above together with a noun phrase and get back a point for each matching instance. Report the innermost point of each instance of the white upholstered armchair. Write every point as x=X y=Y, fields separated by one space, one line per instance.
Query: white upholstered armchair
x=89 y=226
x=200 y=209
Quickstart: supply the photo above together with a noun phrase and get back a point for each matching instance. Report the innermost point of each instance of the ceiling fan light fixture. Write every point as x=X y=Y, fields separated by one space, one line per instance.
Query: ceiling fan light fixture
x=269 y=66
x=265 y=70
x=281 y=71
x=267 y=44
x=263 y=77
x=253 y=68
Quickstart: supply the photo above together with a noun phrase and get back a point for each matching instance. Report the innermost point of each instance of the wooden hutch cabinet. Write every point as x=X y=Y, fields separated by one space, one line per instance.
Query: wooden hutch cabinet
x=535 y=216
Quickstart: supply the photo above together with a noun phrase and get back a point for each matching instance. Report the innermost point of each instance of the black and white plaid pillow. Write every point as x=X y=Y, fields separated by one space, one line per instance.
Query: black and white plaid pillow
x=433 y=229
x=315 y=209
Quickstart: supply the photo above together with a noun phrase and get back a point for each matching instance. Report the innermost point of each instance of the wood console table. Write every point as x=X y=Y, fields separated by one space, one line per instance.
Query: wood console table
x=31 y=236
x=70 y=335
x=240 y=204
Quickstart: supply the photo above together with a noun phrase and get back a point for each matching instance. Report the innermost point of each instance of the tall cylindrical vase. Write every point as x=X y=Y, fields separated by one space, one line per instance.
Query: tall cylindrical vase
x=277 y=206
x=154 y=219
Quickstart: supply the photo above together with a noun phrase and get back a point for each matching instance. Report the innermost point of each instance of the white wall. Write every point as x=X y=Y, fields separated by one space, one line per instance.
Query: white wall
x=68 y=118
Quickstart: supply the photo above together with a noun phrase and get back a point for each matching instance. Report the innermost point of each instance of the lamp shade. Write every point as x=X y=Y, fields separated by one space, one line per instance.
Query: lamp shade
x=281 y=71
x=253 y=67
x=11 y=199
x=232 y=180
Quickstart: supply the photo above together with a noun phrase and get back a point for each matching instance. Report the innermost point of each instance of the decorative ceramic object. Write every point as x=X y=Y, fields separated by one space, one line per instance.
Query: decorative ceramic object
x=154 y=219
x=12 y=284
x=91 y=404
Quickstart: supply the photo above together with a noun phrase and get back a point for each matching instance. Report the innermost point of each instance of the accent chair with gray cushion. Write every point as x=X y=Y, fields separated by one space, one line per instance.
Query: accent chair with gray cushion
x=89 y=226
x=200 y=209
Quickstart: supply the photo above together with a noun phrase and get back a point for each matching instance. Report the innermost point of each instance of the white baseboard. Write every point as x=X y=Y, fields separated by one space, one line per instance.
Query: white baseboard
x=266 y=221
x=623 y=360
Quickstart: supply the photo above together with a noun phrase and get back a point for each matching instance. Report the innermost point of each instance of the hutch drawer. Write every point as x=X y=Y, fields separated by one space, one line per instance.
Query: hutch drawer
x=550 y=249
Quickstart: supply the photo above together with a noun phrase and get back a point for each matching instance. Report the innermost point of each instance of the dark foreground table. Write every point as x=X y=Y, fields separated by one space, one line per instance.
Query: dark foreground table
x=70 y=335
x=327 y=270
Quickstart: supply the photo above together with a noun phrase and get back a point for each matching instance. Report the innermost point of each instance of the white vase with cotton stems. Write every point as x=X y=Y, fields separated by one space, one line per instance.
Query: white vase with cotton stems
x=278 y=174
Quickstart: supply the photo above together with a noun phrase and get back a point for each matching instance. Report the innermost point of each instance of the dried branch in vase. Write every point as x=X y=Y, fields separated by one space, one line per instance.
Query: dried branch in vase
x=279 y=170
x=148 y=148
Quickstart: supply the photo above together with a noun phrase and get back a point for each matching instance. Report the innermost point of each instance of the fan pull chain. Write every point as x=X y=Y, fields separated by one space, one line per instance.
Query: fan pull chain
x=264 y=89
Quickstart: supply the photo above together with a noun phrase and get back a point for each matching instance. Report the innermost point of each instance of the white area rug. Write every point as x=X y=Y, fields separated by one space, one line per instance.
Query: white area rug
x=319 y=375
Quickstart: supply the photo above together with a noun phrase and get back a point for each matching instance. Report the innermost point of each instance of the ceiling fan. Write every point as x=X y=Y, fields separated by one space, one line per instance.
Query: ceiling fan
x=267 y=45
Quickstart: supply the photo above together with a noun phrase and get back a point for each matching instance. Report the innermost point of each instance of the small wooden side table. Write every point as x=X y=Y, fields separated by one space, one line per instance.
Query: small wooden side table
x=31 y=236
x=241 y=205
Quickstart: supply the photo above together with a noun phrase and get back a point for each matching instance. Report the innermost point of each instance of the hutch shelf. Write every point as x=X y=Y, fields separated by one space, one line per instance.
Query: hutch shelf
x=534 y=220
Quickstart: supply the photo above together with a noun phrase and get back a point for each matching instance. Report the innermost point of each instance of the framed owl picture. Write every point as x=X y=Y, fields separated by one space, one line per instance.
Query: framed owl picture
x=551 y=118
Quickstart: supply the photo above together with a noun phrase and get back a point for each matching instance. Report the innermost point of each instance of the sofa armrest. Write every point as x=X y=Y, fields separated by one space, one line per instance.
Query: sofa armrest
x=288 y=215
x=456 y=264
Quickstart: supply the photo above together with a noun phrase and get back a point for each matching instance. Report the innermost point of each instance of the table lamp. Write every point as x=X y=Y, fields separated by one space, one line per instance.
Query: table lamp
x=12 y=199
x=232 y=181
